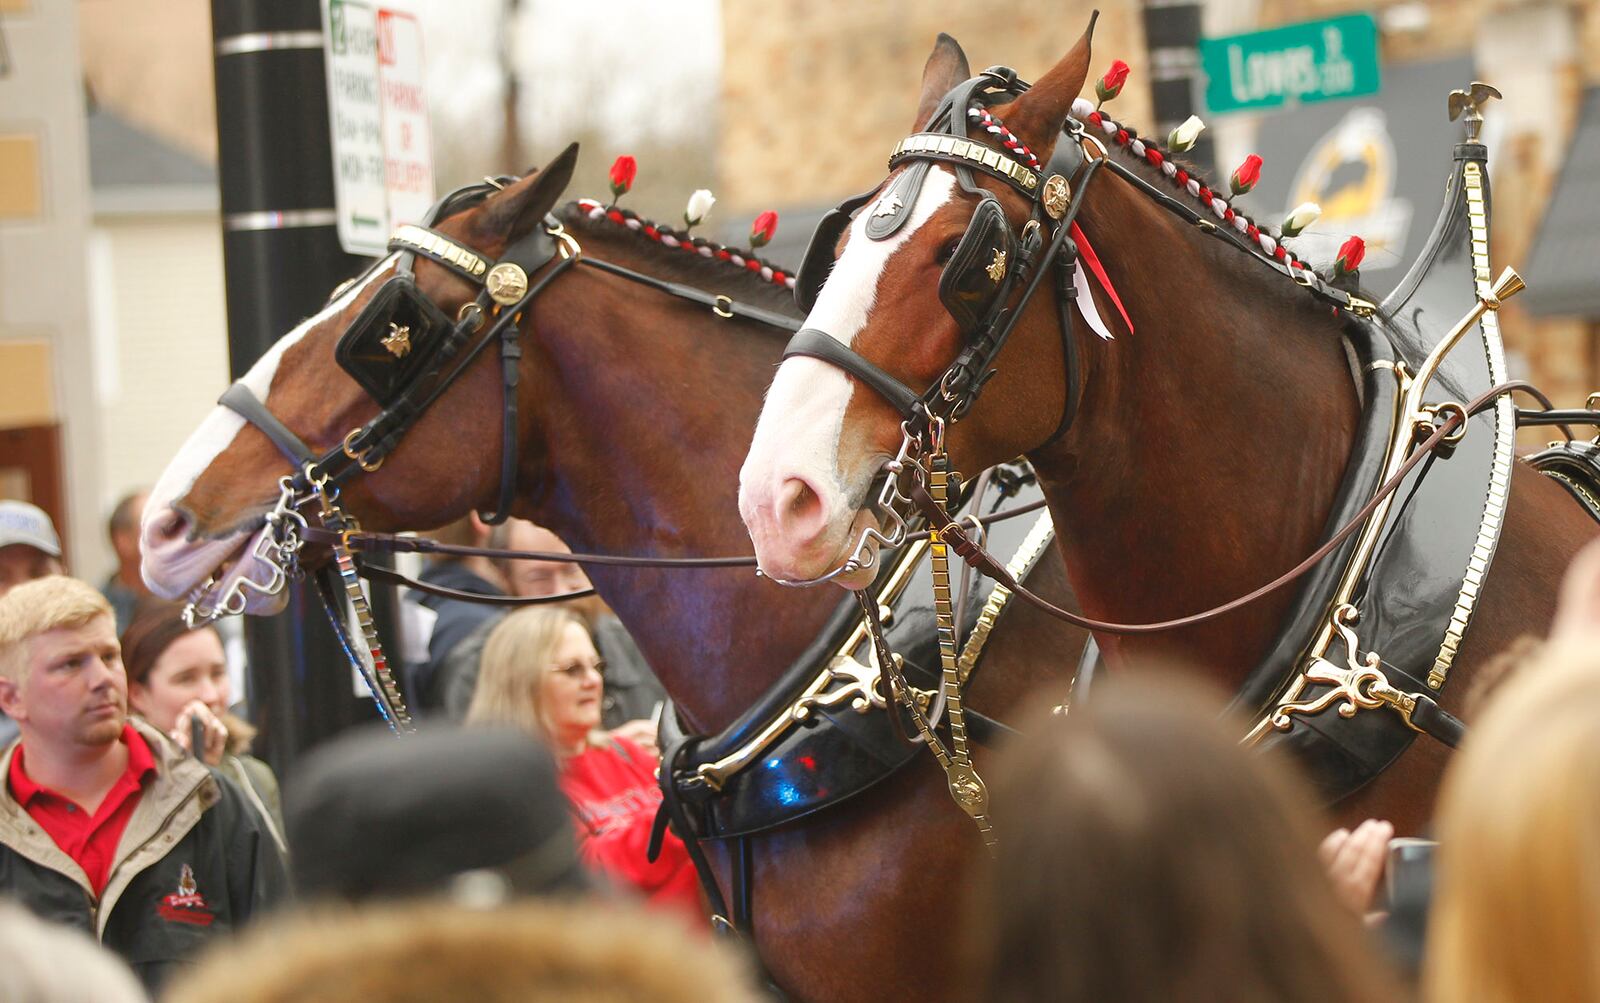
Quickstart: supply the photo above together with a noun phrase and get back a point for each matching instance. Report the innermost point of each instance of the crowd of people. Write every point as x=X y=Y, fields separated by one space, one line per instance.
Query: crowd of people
x=501 y=852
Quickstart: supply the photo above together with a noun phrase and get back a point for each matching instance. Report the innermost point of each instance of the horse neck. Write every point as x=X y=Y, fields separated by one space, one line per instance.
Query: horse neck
x=1209 y=444
x=644 y=405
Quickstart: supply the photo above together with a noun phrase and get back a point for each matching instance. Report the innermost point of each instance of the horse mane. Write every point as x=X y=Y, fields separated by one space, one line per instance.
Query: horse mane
x=681 y=257
x=1183 y=182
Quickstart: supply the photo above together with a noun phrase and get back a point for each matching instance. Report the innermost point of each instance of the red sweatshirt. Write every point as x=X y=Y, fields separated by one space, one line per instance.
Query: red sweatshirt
x=614 y=794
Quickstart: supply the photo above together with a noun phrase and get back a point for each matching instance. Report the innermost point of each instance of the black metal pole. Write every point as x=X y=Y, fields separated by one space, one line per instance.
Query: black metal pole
x=281 y=257
x=1172 y=37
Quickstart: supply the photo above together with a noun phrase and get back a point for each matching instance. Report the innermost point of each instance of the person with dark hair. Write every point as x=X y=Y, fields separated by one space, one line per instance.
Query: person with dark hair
x=1147 y=856
x=105 y=825
x=453 y=620
x=178 y=677
x=124 y=588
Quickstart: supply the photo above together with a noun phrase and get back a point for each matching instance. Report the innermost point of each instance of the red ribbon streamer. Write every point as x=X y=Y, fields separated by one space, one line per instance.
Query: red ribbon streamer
x=1086 y=250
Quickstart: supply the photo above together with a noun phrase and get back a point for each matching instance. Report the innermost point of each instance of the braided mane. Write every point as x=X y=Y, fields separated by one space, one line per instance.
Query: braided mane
x=1184 y=181
x=691 y=248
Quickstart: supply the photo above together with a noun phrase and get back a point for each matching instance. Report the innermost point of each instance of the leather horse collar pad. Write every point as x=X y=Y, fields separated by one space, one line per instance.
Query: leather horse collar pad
x=1415 y=595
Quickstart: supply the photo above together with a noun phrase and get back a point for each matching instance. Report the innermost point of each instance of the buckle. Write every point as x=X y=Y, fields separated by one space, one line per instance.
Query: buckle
x=1360 y=307
x=361 y=455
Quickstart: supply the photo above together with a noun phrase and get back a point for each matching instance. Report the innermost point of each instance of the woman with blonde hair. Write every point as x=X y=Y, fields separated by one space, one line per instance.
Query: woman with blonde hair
x=541 y=673
x=1516 y=913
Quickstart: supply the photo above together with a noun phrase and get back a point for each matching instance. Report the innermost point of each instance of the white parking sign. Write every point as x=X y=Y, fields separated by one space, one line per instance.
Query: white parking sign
x=378 y=114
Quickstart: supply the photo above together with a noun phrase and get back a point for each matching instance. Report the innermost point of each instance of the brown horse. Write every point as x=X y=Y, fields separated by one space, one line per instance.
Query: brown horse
x=635 y=408
x=1205 y=454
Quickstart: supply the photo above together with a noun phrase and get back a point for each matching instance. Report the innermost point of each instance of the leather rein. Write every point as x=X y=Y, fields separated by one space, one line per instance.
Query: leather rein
x=955 y=533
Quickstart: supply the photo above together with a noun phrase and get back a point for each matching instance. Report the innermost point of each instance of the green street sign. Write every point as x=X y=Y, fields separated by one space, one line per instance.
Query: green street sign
x=1299 y=63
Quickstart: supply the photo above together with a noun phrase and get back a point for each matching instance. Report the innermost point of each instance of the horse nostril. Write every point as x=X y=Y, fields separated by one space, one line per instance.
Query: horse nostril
x=800 y=508
x=168 y=525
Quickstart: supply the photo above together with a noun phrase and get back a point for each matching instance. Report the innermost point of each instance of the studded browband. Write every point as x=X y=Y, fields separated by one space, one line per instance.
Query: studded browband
x=967 y=153
x=505 y=282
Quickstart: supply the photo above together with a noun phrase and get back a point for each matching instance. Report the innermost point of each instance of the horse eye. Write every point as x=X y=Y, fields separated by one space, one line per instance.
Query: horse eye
x=948 y=251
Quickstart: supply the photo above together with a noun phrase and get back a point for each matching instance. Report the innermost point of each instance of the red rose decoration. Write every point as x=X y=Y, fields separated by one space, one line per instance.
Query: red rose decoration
x=763 y=228
x=1246 y=175
x=623 y=170
x=1350 y=254
x=1110 y=85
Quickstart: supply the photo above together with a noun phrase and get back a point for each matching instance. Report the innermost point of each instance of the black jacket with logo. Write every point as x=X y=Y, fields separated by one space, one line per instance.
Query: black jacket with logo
x=195 y=861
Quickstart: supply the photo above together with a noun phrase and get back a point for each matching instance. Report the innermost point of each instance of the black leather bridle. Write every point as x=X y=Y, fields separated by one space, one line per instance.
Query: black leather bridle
x=1055 y=198
x=375 y=350
x=448 y=348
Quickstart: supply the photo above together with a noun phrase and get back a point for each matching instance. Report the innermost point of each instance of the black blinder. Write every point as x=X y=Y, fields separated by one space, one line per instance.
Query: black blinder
x=818 y=260
x=391 y=340
x=979 y=273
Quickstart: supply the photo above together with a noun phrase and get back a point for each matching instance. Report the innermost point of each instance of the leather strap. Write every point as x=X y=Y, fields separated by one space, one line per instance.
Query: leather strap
x=243 y=401
x=728 y=306
x=392 y=577
x=673 y=811
x=821 y=345
x=956 y=536
x=1435 y=722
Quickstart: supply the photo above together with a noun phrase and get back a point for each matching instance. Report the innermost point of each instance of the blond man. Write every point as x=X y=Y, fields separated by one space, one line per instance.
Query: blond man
x=105 y=825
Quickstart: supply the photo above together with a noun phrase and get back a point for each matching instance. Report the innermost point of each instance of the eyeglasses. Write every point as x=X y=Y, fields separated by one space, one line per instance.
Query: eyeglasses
x=575 y=670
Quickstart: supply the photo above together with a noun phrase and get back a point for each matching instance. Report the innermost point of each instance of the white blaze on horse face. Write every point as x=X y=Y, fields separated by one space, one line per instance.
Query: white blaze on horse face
x=170 y=566
x=797 y=436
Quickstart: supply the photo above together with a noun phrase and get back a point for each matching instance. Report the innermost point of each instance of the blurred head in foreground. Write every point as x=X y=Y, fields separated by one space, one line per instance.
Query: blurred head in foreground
x=443 y=810
x=1147 y=855
x=542 y=952
x=1516 y=912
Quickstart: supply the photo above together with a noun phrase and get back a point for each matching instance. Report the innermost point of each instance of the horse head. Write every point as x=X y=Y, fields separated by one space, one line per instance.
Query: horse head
x=958 y=214
x=387 y=339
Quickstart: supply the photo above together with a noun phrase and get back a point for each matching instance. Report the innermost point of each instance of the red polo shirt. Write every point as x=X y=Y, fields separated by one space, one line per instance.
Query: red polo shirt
x=89 y=840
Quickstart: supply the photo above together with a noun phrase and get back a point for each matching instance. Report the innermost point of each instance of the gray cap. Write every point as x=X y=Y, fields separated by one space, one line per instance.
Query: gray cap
x=374 y=816
x=28 y=524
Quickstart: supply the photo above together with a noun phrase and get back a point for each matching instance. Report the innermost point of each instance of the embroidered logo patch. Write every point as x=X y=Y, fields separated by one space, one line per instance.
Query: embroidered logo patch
x=187 y=905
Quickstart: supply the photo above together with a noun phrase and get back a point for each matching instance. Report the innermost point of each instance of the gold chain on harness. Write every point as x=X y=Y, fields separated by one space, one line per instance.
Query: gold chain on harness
x=966 y=786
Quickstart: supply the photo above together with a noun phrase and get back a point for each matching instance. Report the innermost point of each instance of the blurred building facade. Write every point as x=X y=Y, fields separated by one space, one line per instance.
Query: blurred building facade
x=50 y=449
x=814 y=94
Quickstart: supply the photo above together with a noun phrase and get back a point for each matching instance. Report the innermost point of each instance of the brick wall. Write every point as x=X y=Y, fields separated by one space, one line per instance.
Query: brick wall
x=815 y=93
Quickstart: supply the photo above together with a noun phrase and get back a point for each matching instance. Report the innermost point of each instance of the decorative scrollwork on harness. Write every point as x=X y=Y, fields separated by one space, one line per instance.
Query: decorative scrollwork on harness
x=1360 y=685
x=862 y=688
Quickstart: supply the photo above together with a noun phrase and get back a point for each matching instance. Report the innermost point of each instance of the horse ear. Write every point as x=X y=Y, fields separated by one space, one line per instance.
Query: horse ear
x=1039 y=115
x=513 y=213
x=946 y=67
